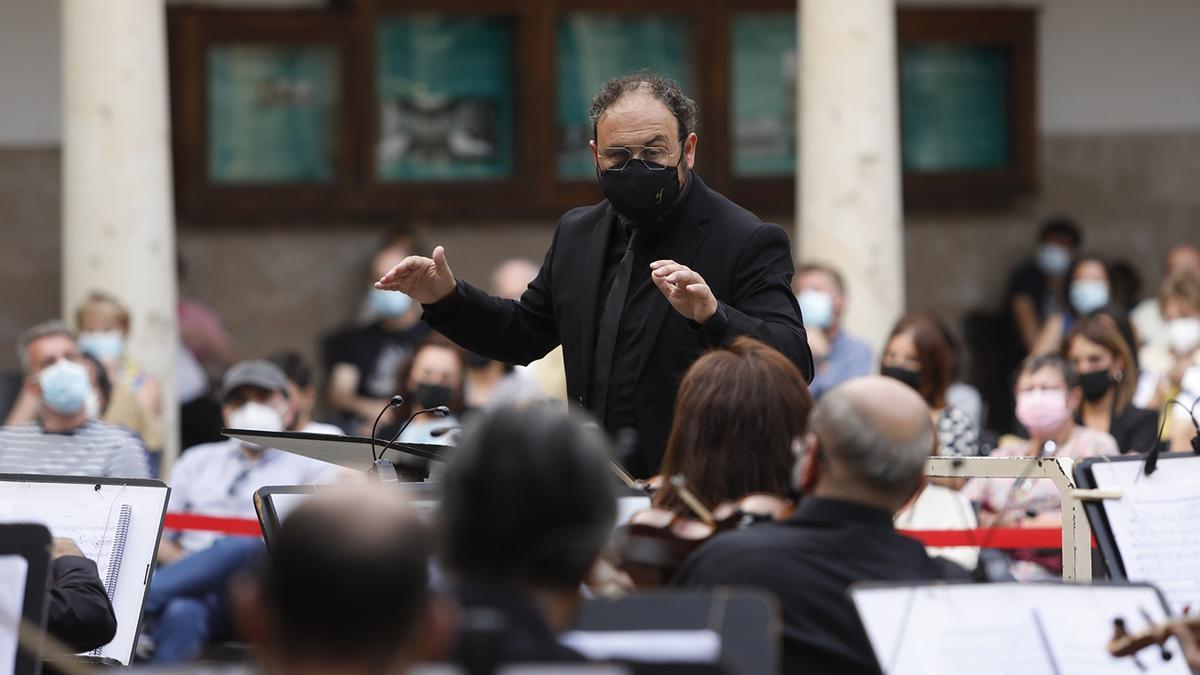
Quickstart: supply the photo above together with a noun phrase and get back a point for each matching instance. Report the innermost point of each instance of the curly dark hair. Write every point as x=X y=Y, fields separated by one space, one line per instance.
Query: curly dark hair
x=661 y=87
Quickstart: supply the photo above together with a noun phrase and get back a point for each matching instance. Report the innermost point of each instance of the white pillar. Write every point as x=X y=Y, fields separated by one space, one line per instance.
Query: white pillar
x=118 y=223
x=848 y=178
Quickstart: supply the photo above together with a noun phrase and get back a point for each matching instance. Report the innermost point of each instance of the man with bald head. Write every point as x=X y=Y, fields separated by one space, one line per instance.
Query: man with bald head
x=862 y=461
x=637 y=286
x=345 y=590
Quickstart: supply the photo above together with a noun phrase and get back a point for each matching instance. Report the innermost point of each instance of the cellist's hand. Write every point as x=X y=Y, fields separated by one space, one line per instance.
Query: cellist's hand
x=426 y=280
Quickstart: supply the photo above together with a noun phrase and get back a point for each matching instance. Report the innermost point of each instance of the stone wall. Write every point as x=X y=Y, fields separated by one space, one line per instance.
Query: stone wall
x=280 y=286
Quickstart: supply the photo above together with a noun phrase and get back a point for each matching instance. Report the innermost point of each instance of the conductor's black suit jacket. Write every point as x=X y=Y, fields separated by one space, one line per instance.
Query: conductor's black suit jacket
x=746 y=263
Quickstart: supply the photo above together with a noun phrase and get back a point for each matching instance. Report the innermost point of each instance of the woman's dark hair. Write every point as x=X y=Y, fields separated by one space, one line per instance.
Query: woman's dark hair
x=933 y=353
x=102 y=382
x=527 y=499
x=405 y=371
x=737 y=412
x=1102 y=329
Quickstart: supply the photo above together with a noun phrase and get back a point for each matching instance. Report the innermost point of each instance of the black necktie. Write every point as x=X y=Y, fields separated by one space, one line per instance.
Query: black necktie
x=610 y=322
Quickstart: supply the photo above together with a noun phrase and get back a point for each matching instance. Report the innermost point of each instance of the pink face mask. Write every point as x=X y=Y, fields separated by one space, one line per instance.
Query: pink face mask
x=1043 y=411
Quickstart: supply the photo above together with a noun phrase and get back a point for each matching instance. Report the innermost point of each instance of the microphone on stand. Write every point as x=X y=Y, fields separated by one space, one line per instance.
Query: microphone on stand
x=439 y=411
x=396 y=402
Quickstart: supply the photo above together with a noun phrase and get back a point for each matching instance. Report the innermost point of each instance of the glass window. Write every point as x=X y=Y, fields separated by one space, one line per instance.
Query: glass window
x=594 y=47
x=445 y=86
x=271 y=113
x=764 y=94
x=954 y=107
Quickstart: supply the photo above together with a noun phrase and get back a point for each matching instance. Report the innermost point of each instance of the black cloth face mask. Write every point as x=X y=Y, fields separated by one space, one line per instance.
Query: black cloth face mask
x=640 y=194
x=1095 y=384
x=910 y=377
x=433 y=395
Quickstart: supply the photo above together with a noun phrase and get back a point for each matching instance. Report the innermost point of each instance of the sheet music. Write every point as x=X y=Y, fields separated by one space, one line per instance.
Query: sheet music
x=1154 y=524
x=13 y=572
x=90 y=514
x=986 y=629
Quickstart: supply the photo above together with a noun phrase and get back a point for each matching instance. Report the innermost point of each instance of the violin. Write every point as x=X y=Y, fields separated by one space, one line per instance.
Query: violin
x=652 y=546
x=1124 y=643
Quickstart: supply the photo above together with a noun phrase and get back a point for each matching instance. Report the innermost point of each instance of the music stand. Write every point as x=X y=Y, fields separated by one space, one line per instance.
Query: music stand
x=409 y=461
x=31 y=542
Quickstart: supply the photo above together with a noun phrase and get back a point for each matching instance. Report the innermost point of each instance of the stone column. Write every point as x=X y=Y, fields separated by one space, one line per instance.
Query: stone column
x=848 y=178
x=118 y=220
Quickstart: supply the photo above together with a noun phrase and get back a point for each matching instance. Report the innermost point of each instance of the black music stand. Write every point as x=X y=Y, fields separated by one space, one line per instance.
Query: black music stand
x=31 y=542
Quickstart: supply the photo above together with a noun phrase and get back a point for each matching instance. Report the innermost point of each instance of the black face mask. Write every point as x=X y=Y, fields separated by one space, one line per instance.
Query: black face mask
x=641 y=195
x=910 y=377
x=1095 y=384
x=433 y=395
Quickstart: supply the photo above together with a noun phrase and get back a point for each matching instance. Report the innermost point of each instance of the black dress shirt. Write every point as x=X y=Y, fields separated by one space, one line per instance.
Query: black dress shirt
x=808 y=562
x=634 y=335
x=79 y=612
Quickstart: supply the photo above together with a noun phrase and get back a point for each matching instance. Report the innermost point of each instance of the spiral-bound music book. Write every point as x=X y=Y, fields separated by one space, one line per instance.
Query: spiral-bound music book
x=115 y=522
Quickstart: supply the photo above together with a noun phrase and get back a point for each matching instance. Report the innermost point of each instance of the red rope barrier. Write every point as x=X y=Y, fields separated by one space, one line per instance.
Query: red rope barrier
x=1004 y=537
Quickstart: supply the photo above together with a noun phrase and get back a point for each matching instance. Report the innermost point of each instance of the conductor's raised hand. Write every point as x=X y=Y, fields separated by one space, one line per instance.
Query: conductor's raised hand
x=426 y=280
x=684 y=289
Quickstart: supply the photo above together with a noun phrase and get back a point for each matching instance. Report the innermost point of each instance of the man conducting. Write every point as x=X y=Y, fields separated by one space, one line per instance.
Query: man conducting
x=636 y=287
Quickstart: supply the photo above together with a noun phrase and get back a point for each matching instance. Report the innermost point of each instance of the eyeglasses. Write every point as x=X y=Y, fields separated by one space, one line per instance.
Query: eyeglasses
x=653 y=157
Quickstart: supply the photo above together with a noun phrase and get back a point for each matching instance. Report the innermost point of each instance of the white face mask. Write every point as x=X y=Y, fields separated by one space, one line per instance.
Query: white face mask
x=1184 y=334
x=257 y=416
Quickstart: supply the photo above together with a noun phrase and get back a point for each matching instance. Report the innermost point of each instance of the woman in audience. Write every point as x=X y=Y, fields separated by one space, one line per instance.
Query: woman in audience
x=918 y=355
x=736 y=415
x=1108 y=378
x=1048 y=397
x=431 y=377
x=1088 y=293
x=1173 y=372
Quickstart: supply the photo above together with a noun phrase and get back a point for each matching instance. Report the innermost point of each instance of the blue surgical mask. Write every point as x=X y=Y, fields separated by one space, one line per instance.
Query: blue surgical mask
x=1054 y=259
x=106 y=345
x=65 y=386
x=1088 y=295
x=390 y=304
x=816 y=307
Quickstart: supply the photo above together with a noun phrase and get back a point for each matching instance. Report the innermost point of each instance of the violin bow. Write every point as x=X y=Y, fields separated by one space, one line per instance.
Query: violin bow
x=680 y=484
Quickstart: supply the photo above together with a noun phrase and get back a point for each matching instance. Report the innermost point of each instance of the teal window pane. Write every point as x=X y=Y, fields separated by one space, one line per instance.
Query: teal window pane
x=954 y=105
x=593 y=47
x=446 y=109
x=764 y=94
x=271 y=114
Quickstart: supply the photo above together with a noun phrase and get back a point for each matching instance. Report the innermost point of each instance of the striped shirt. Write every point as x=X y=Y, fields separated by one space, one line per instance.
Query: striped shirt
x=94 y=449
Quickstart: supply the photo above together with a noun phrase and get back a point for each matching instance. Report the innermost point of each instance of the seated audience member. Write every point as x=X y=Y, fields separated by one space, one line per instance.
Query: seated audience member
x=302 y=392
x=365 y=359
x=528 y=503
x=737 y=412
x=187 y=596
x=918 y=355
x=345 y=589
x=864 y=458
x=838 y=356
x=101 y=394
x=492 y=383
x=1108 y=379
x=548 y=374
x=78 y=611
x=959 y=394
x=1173 y=372
x=1048 y=397
x=137 y=396
x=1035 y=287
x=1087 y=294
x=62 y=440
x=432 y=377
x=1147 y=315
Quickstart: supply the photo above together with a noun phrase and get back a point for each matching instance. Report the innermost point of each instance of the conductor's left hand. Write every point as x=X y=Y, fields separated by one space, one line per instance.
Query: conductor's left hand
x=684 y=289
